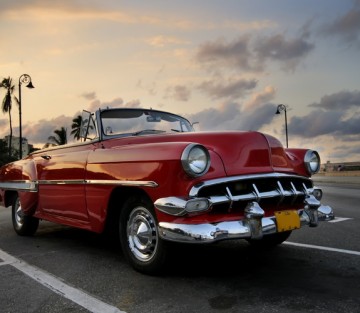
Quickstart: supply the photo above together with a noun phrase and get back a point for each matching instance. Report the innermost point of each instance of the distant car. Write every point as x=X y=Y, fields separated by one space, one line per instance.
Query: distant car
x=150 y=177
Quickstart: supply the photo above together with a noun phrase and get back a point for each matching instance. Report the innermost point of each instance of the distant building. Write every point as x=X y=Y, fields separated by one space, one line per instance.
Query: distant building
x=15 y=145
x=338 y=167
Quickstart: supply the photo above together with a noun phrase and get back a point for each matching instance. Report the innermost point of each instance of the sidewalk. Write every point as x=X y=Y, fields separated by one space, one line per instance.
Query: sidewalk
x=346 y=179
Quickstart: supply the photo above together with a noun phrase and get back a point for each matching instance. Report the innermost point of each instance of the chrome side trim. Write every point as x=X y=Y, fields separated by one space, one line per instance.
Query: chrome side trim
x=100 y=182
x=32 y=186
x=134 y=183
x=61 y=182
x=21 y=185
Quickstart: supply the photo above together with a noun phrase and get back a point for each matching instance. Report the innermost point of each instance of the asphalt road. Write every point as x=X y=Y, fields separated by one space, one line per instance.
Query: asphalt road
x=62 y=269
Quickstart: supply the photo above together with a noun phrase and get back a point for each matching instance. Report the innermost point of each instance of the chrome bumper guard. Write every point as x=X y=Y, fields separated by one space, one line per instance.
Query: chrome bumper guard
x=253 y=226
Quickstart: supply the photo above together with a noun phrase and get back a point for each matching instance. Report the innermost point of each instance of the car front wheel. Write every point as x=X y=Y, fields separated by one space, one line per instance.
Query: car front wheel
x=24 y=225
x=139 y=237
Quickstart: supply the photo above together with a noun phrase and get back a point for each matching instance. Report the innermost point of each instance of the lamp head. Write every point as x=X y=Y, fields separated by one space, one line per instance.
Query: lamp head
x=30 y=85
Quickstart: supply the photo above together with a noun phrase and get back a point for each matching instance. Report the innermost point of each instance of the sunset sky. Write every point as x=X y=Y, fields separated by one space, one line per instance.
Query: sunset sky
x=225 y=64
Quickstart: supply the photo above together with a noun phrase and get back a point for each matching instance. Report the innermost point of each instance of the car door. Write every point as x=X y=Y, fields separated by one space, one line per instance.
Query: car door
x=61 y=182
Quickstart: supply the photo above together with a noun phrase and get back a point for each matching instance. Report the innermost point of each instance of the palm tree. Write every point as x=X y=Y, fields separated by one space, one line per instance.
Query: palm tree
x=76 y=127
x=7 y=103
x=59 y=139
x=4 y=154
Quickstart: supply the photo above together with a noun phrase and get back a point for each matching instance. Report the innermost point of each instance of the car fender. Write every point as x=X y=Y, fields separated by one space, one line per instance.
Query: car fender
x=20 y=176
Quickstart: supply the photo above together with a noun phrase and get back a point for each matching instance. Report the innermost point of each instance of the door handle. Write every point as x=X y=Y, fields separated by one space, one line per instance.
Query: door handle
x=46 y=157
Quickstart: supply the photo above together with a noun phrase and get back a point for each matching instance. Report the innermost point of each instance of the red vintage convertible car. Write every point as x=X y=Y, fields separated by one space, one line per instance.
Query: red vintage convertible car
x=149 y=176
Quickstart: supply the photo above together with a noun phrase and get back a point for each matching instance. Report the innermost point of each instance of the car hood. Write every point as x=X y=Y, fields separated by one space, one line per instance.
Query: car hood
x=240 y=152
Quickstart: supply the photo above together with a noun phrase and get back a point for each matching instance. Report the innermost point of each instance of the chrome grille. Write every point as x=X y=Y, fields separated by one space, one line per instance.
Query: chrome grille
x=273 y=189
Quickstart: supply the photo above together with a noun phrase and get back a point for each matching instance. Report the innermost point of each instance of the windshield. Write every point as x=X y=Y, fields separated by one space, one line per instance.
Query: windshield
x=141 y=122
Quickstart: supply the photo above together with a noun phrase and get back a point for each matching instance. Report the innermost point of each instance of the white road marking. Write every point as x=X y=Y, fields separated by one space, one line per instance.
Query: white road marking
x=340 y=219
x=56 y=285
x=4 y=263
x=321 y=248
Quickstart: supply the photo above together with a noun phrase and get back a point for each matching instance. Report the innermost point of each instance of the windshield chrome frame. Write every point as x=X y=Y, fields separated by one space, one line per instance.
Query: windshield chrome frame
x=103 y=136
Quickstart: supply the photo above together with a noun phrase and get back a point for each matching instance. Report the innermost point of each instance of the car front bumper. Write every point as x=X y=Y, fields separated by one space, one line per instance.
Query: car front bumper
x=253 y=226
x=250 y=191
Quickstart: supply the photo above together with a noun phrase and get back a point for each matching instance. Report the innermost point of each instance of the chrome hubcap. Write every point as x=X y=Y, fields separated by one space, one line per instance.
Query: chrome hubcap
x=19 y=215
x=142 y=234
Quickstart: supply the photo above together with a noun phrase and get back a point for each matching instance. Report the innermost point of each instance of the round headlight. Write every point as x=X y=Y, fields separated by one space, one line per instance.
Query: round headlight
x=195 y=160
x=312 y=161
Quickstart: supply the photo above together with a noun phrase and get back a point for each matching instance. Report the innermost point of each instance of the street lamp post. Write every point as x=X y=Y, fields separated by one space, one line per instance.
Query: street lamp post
x=23 y=79
x=282 y=107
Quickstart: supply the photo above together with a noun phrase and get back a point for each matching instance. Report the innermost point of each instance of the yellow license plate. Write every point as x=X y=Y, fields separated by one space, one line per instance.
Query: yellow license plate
x=287 y=220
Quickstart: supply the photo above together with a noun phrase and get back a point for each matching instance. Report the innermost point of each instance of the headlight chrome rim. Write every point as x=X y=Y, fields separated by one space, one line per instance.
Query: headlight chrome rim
x=312 y=161
x=195 y=160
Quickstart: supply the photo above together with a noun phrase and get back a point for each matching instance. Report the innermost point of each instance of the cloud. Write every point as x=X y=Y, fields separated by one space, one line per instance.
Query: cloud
x=343 y=152
x=162 y=41
x=252 y=54
x=289 y=52
x=259 y=117
x=3 y=123
x=260 y=98
x=216 y=118
x=246 y=26
x=231 y=116
x=38 y=133
x=232 y=88
x=97 y=104
x=315 y=124
x=350 y=126
x=133 y=104
x=94 y=105
x=321 y=128
x=321 y=122
x=347 y=26
x=342 y=100
x=115 y=103
x=228 y=54
x=150 y=88
x=178 y=93
x=335 y=115
x=351 y=149
x=89 y=95
x=351 y=138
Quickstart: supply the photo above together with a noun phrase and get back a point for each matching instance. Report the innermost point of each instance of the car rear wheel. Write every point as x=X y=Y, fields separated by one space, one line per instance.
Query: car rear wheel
x=24 y=225
x=271 y=240
x=139 y=237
